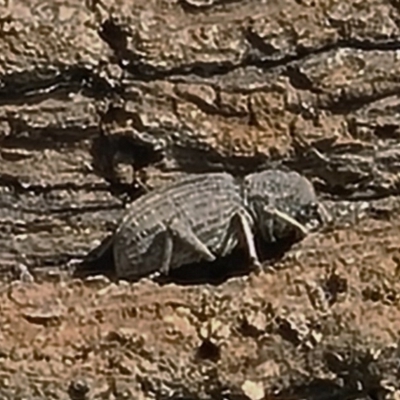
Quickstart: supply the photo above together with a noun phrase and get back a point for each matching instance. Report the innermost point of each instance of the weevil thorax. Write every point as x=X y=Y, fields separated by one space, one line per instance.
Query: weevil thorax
x=287 y=192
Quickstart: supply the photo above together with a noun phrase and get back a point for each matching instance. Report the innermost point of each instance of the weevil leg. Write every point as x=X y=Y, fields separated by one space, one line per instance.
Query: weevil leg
x=167 y=252
x=240 y=225
x=288 y=219
x=249 y=241
x=175 y=230
x=325 y=215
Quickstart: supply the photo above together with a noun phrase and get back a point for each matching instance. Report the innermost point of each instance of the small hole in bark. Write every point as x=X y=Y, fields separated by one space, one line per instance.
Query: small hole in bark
x=208 y=351
x=288 y=333
x=78 y=390
x=334 y=286
x=372 y=294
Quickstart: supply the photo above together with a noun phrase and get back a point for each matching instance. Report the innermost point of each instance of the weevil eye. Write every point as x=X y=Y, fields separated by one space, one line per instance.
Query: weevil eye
x=309 y=213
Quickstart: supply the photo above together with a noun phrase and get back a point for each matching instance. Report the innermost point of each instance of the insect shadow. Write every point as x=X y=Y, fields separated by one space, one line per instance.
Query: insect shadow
x=100 y=261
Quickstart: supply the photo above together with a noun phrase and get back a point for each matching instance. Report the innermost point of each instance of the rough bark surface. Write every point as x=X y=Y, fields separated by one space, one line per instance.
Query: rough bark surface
x=101 y=100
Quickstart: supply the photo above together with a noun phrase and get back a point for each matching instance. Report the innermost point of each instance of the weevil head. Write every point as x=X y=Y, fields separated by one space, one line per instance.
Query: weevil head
x=282 y=204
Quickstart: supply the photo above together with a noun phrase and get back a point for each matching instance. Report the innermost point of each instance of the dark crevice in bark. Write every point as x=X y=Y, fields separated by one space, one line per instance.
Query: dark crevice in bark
x=143 y=71
x=57 y=138
x=38 y=84
x=19 y=87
